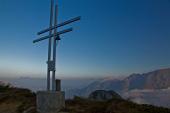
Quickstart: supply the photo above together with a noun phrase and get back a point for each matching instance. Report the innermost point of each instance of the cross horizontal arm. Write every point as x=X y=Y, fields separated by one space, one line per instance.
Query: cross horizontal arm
x=59 y=25
x=49 y=36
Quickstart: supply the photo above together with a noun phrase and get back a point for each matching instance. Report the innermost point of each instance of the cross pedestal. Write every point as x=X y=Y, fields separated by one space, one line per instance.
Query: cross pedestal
x=50 y=101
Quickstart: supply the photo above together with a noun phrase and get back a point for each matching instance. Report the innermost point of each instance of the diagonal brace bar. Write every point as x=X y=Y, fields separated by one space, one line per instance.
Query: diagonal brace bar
x=60 y=25
x=49 y=36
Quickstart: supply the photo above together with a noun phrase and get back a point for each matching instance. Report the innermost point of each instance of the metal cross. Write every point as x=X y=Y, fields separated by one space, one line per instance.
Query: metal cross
x=54 y=36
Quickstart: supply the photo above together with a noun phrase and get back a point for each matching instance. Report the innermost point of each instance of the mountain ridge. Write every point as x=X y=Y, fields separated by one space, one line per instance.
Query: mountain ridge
x=134 y=81
x=154 y=80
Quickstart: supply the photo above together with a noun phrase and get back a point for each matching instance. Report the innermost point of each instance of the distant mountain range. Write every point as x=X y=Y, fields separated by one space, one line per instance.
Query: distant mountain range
x=159 y=79
x=155 y=81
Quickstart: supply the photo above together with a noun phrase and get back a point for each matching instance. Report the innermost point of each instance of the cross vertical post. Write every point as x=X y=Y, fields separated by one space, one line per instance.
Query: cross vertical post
x=49 y=46
x=54 y=48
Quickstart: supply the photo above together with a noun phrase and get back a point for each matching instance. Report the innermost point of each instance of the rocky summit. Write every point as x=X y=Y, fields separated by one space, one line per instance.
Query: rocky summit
x=102 y=95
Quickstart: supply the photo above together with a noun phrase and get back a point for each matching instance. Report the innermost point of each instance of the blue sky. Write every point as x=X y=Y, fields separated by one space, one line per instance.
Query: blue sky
x=114 y=37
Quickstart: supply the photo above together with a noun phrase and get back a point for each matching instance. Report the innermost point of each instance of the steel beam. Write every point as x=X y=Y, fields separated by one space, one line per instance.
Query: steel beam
x=54 y=48
x=49 y=44
x=49 y=36
x=60 y=25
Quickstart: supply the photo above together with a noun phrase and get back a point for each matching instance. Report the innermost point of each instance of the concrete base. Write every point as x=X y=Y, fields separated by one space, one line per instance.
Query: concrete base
x=50 y=102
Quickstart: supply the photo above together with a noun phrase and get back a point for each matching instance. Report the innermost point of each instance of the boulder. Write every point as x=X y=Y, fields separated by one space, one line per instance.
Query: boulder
x=102 y=95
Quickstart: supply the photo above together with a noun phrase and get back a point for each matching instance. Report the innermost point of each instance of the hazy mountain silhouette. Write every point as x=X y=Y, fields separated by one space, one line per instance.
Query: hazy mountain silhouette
x=159 y=79
x=154 y=82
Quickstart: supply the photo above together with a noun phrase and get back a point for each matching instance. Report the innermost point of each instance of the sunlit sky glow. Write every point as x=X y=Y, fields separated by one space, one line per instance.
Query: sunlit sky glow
x=114 y=37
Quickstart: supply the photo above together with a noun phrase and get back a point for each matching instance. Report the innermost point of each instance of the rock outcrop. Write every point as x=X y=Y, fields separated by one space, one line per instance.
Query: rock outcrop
x=102 y=95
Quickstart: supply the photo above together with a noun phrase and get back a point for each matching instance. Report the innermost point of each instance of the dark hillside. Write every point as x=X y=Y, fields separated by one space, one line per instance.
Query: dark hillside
x=16 y=100
x=80 y=105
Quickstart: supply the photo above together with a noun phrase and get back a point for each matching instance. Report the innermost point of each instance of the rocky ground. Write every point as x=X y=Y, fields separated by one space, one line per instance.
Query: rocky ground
x=80 y=105
x=16 y=100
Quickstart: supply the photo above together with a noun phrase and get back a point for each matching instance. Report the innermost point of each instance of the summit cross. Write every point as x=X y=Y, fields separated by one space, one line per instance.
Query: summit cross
x=53 y=39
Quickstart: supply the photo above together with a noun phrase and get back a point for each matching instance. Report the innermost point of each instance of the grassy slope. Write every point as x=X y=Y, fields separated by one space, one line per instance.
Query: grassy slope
x=15 y=100
x=79 y=105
